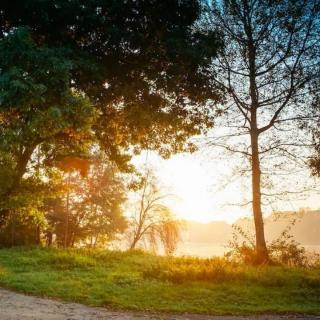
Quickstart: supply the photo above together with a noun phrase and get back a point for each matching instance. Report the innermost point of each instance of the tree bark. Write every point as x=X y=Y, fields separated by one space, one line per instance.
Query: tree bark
x=13 y=230
x=38 y=236
x=261 y=247
x=134 y=243
x=66 y=241
x=49 y=238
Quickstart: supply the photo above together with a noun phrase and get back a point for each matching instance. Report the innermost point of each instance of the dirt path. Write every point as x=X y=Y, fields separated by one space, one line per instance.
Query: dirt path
x=14 y=306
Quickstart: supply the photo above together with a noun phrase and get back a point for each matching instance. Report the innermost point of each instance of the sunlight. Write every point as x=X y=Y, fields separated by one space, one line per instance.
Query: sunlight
x=199 y=188
x=191 y=185
x=194 y=188
x=195 y=185
x=155 y=150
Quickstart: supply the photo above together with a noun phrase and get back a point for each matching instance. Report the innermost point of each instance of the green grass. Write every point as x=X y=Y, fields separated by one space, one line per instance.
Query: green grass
x=140 y=281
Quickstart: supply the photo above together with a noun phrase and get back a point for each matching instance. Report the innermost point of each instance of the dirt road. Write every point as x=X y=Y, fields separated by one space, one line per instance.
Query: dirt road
x=14 y=306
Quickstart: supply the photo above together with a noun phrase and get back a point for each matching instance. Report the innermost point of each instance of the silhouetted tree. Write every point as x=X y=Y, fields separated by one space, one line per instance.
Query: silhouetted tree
x=153 y=221
x=270 y=58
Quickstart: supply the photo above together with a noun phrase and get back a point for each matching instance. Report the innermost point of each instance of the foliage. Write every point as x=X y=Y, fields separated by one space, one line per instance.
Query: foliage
x=38 y=105
x=124 y=280
x=282 y=250
x=26 y=220
x=169 y=233
x=286 y=250
x=91 y=211
x=242 y=247
x=39 y=113
x=124 y=75
x=139 y=63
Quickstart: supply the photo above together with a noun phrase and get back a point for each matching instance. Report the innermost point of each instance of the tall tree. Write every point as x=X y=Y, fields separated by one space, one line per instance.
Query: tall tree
x=140 y=65
x=127 y=74
x=270 y=58
x=40 y=112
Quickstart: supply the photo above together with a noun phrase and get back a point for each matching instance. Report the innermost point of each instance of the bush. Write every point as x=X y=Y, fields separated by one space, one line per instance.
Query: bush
x=284 y=250
x=288 y=252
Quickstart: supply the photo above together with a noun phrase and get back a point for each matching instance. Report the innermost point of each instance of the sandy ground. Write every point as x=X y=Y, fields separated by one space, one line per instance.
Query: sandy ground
x=14 y=306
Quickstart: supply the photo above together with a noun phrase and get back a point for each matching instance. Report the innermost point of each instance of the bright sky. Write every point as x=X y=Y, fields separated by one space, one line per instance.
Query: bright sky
x=193 y=183
x=200 y=190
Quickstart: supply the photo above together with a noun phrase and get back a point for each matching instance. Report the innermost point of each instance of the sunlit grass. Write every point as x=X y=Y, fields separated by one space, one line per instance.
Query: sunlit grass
x=140 y=281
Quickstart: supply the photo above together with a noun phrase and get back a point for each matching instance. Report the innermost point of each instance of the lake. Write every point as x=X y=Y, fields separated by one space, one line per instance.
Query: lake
x=205 y=249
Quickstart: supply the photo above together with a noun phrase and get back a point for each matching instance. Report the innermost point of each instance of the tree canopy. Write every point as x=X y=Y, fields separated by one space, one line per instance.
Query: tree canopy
x=139 y=63
x=77 y=76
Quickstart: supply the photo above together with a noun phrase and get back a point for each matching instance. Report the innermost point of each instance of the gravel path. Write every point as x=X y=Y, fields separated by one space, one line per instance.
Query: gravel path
x=15 y=306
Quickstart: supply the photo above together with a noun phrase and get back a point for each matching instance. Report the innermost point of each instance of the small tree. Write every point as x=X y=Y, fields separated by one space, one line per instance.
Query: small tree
x=170 y=234
x=153 y=221
x=90 y=212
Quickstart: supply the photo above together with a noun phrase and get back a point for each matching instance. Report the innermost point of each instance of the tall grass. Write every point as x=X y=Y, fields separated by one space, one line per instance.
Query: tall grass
x=220 y=270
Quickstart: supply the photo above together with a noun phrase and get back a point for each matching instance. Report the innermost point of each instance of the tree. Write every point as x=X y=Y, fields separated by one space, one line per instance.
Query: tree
x=314 y=161
x=267 y=66
x=125 y=75
x=153 y=221
x=169 y=233
x=91 y=211
x=139 y=63
x=39 y=111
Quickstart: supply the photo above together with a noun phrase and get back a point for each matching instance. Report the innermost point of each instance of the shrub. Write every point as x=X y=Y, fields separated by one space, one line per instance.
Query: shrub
x=283 y=250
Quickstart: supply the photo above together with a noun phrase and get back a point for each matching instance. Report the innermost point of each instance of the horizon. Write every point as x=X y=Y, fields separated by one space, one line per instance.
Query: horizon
x=307 y=211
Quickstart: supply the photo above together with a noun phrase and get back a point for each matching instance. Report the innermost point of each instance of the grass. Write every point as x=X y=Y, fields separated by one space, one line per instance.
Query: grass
x=141 y=281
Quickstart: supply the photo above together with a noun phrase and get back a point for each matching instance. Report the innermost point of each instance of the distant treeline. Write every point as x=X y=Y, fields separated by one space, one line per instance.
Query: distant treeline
x=305 y=230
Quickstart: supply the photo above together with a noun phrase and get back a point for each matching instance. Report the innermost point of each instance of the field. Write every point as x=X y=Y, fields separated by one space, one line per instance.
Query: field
x=140 y=281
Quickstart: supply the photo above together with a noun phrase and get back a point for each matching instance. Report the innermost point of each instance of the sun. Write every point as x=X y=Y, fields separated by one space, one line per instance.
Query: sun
x=191 y=188
x=192 y=184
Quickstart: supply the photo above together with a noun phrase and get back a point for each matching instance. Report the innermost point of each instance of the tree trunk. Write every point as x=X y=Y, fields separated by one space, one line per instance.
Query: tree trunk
x=136 y=238
x=261 y=247
x=137 y=235
x=66 y=230
x=38 y=238
x=13 y=229
x=134 y=243
x=49 y=238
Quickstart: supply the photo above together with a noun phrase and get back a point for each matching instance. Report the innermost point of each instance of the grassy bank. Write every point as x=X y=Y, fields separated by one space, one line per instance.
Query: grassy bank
x=140 y=281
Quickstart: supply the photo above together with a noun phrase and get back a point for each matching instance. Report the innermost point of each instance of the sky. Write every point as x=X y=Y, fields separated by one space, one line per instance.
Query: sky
x=204 y=188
